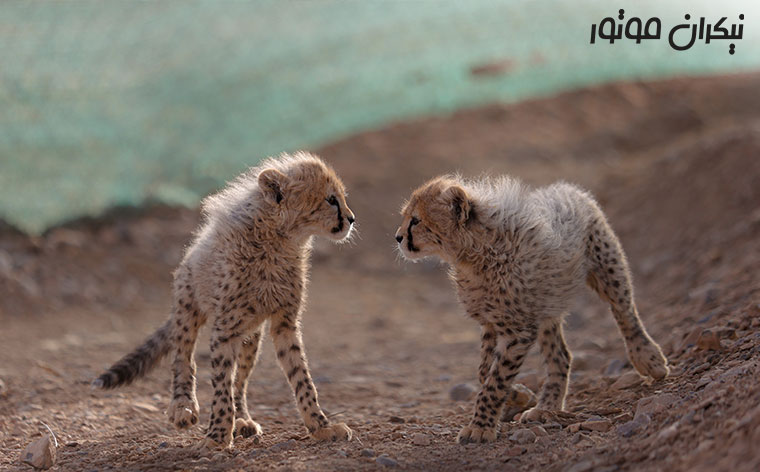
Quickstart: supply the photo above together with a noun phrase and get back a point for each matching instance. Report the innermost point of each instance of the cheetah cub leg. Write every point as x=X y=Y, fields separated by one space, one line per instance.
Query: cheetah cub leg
x=183 y=409
x=557 y=361
x=249 y=353
x=290 y=354
x=610 y=277
x=508 y=354
x=225 y=349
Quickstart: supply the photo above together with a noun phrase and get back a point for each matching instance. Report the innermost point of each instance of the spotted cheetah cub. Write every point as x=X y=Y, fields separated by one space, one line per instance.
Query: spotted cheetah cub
x=248 y=264
x=517 y=257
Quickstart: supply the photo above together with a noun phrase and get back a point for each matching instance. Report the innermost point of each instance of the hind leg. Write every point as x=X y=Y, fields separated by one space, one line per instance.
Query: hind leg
x=610 y=277
x=249 y=353
x=187 y=320
x=557 y=360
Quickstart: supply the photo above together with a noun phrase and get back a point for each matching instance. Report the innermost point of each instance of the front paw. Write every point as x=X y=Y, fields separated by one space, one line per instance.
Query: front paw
x=183 y=413
x=649 y=361
x=476 y=434
x=537 y=414
x=333 y=432
x=247 y=428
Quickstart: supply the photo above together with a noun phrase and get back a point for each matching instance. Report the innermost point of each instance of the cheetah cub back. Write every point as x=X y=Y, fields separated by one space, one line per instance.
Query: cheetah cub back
x=517 y=257
x=248 y=264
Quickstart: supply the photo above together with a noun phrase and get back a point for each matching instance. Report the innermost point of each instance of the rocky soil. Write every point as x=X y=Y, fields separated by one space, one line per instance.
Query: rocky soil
x=676 y=164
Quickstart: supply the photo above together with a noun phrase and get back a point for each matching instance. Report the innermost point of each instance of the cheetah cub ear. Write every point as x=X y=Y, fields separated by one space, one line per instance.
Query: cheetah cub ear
x=272 y=182
x=460 y=203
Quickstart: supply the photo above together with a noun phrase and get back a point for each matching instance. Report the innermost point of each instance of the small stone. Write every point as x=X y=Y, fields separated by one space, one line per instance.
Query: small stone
x=163 y=444
x=627 y=380
x=420 y=439
x=515 y=451
x=283 y=446
x=461 y=392
x=574 y=428
x=538 y=430
x=396 y=419
x=655 y=404
x=639 y=423
x=668 y=433
x=40 y=454
x=341 y=453
x=601 y=425
x=708 y=341
x=544 y=441
x=368 y=453
x=690 y=340
x=383 y=459
x=523 y=436
x=145 y=407
x=219 y=457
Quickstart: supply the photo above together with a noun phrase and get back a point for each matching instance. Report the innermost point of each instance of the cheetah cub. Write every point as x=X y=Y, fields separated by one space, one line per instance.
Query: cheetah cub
x=517 y=257
x=248 y=264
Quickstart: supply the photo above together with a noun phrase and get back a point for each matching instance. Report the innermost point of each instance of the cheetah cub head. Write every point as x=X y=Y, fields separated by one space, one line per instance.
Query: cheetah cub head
x=308 y=197
x=438 y=220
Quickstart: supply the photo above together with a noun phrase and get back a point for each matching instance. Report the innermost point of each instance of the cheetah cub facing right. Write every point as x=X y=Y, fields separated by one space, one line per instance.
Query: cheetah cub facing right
x=517 y=257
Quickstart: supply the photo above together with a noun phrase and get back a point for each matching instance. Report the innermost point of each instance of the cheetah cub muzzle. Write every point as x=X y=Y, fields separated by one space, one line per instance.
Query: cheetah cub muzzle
x=248 y=264
x=517 y=258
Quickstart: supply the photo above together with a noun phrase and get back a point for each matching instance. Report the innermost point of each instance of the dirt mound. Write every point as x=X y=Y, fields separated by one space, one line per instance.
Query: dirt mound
x=676 y=165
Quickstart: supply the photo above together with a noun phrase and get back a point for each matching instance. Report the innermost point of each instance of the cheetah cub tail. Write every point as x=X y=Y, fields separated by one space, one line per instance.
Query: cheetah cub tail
x=137 y=363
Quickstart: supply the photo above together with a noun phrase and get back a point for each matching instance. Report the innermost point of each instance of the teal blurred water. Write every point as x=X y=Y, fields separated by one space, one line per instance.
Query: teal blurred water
x=107 y=103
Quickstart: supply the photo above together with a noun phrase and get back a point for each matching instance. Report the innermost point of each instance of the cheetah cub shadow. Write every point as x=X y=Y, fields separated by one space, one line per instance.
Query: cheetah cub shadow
x=247 y=265
x=517 y=257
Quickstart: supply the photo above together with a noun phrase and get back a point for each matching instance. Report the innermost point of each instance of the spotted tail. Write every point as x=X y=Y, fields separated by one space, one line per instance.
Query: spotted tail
x=137 y=363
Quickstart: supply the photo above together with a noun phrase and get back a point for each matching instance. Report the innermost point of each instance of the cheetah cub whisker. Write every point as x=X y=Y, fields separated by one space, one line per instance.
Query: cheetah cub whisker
x=248 y=264
x=517 y=257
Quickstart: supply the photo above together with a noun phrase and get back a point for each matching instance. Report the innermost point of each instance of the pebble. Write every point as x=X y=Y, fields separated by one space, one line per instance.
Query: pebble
x=539 y=430
x=387 y=461
x=632 y=427
x=654 y=404
x=668 y=433
x=574 y=428
x=523 y=436
x=708 y=341
x=420 y=439
x=283 y=446
x=396 y=419
x=145 y=407
x=516 y=451
x=219 y=457
x=368 y=453
x=40 y=453
x=341 y=453
x=602 y=425
x=461 y=392
x=163 y=444
x=627 y=380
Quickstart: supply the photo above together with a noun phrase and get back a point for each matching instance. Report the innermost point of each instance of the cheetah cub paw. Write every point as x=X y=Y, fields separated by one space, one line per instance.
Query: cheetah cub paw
x=649 y=361
x=475 y=434
x=247 y=428
x=183 y=413
x=333 y=432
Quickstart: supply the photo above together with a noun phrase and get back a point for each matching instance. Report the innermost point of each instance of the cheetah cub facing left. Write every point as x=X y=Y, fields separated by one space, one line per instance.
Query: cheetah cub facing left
x=517 y=257
x=247 y=265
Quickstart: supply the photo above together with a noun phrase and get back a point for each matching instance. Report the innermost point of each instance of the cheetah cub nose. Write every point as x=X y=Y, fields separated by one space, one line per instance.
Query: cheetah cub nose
x=399 y=238
x=351 y=220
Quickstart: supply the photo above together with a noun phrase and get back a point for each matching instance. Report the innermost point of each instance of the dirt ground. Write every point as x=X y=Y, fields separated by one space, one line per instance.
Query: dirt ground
x=676 y=164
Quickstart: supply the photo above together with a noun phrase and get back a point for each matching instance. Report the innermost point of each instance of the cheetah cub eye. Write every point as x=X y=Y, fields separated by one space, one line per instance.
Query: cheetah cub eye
x=332 y=200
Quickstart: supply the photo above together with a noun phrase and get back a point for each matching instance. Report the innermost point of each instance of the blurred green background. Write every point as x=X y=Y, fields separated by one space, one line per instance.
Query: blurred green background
x=106 y=103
